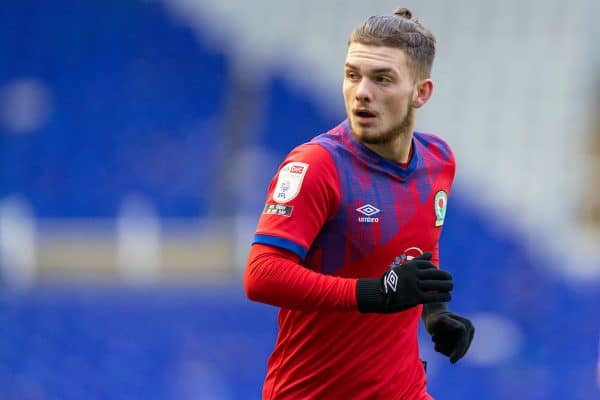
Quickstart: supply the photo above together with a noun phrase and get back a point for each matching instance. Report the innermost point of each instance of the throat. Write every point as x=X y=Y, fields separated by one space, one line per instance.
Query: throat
x=399 y=151
x=409 y=159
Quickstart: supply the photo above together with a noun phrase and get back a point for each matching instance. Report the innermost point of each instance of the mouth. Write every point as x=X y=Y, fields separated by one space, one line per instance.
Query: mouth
x=364 y=115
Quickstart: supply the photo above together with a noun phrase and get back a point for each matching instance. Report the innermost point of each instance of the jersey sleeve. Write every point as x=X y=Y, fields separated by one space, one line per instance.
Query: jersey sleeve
x=274 y=276
x=301 y=197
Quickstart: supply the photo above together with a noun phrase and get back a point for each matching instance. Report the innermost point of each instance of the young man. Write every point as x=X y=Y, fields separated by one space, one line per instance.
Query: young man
x=348 y=240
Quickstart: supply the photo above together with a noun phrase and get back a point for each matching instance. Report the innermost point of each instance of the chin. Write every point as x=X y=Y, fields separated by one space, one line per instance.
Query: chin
x=366 y=133
x=361 y=130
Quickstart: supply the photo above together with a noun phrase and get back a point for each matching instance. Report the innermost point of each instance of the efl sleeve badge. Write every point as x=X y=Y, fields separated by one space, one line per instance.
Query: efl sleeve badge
x=289 y=181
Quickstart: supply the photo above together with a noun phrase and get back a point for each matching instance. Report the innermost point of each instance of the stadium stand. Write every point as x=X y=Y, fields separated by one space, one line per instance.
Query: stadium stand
x=131 y=101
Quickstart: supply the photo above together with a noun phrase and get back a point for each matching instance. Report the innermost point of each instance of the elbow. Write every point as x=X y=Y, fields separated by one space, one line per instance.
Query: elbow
x=260 y=275
x=255 y=290
x=250 y=286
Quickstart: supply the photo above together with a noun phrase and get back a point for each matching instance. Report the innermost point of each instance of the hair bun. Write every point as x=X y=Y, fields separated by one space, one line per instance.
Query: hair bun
x=403 y=12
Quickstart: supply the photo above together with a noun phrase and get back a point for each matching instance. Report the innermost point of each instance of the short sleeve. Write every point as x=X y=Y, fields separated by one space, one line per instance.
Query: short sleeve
x=301 y=197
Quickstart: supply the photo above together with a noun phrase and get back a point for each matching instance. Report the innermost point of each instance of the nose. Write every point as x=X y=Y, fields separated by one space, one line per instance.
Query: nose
x=363 y=91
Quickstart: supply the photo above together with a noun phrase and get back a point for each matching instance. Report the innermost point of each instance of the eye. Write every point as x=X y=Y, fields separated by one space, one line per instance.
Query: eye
x=382 y=79
x=351 y=75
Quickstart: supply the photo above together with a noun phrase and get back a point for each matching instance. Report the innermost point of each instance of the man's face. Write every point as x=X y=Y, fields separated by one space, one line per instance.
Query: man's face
x=378 y=92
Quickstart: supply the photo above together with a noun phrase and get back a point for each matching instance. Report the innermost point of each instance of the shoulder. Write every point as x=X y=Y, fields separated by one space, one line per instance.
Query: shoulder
x=435 y=146
x=310 y=161
x=322 y=150
x=310 y=152
x=306 y=178
x=316 y=159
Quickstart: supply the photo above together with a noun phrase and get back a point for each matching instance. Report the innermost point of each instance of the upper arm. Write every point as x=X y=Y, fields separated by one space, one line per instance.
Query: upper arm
x=301 y=197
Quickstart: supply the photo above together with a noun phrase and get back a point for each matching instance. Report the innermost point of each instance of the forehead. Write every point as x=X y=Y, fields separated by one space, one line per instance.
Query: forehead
x=370 y=57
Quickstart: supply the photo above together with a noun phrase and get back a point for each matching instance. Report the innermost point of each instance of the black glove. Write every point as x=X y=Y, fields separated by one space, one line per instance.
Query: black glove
x=405 y=286
x=451 y=333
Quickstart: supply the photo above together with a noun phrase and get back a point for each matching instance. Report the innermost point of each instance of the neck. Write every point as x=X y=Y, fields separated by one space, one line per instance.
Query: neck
x=397 y=150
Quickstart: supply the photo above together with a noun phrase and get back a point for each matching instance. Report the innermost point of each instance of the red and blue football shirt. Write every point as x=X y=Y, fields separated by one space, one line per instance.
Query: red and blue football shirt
x=337 y=211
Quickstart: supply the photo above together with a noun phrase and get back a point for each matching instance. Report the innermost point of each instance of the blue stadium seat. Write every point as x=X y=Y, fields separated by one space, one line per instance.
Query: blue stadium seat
x=135 y=105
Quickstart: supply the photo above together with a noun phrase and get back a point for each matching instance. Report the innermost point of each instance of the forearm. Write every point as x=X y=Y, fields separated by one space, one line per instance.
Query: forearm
x=275 y=277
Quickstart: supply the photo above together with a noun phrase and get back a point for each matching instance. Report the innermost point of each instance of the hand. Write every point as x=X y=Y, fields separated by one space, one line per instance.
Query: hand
x=405 y=286
x=451 y=333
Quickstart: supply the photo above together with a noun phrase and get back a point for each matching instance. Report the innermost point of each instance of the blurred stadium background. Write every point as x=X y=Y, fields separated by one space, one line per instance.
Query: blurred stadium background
x=137 y=139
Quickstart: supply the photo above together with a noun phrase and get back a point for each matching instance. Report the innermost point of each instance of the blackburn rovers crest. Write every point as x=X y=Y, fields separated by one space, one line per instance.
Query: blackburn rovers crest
x=439 y=207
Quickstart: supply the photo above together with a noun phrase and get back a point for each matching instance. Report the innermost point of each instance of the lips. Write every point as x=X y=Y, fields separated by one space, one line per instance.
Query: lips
x=364 y=117
x=364 y=113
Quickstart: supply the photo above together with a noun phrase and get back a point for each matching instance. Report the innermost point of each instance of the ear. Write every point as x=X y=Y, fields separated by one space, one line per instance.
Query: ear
x=422 y=93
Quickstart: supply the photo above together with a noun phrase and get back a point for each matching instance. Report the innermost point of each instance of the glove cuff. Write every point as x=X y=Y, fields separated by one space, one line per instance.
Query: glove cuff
x=431 y=317
x=433 y=308
x=368 y=295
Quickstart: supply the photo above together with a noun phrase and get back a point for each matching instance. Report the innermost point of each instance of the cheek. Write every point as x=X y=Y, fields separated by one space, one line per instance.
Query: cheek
x=346 y=90
x=399 y=103
x=348 y=95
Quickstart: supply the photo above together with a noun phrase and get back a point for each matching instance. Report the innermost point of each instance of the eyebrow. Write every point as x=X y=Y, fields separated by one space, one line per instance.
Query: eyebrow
x=374 y=71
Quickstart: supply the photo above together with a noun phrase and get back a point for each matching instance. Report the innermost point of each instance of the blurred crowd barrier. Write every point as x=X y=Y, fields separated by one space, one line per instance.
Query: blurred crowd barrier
x=591 y=209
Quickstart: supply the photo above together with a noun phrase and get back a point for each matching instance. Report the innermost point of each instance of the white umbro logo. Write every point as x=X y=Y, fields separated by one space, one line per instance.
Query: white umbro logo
x=368 y=211
x=391 y=281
